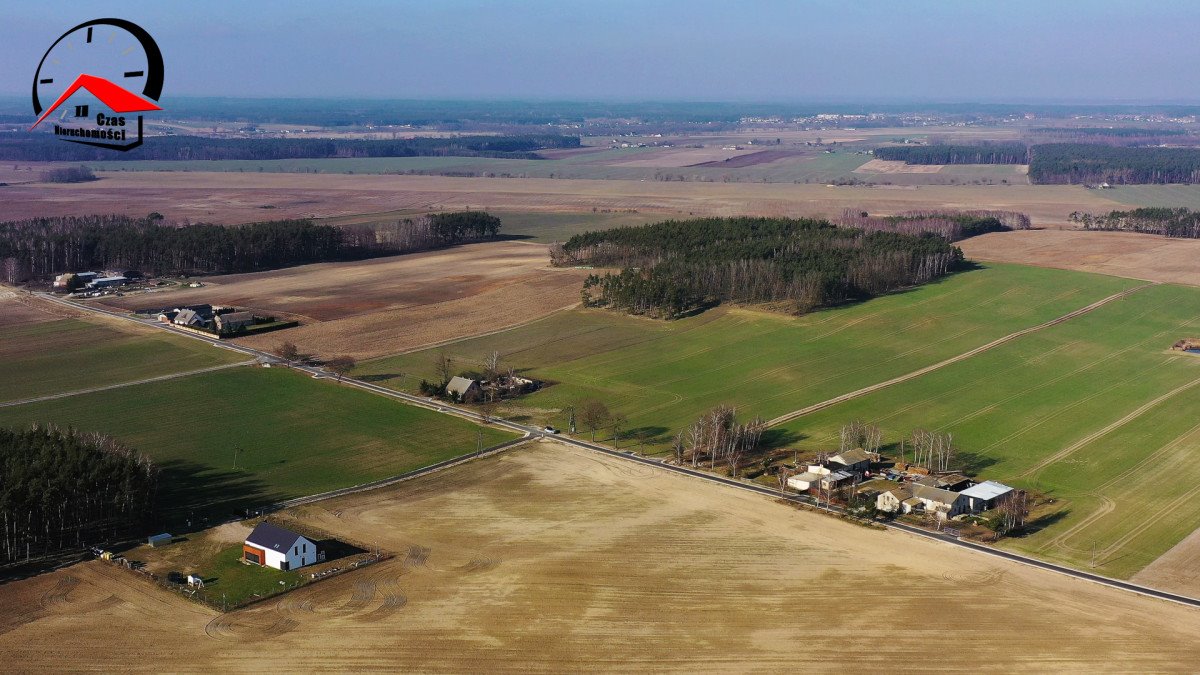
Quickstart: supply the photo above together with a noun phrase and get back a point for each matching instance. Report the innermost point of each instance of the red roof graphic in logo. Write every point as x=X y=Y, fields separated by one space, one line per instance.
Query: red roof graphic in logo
x=117 y=99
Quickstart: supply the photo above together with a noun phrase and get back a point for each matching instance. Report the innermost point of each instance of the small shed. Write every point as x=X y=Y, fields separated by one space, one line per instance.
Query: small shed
x=156 y=540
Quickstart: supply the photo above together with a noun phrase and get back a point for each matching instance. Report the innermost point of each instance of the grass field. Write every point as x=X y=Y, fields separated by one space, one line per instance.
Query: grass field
x=1096 y=413
x=1171 y=196
x=662 y=374
x=550 y=559
x=297 y=436
x=70 y=354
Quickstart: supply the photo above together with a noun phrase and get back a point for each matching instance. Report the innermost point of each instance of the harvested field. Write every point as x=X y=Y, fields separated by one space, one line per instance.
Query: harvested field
x=888 y=166
x=1177 y=570
x=552 y=560
x=238 y=197
x=388 y=305
x=16 y=309
x=679 y=157
x=1125 y=254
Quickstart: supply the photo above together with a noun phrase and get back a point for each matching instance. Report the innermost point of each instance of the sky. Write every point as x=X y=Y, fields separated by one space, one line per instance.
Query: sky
x=734 y=50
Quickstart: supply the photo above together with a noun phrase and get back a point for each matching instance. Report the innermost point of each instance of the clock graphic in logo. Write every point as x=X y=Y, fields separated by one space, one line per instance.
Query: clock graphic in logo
x=113 y=63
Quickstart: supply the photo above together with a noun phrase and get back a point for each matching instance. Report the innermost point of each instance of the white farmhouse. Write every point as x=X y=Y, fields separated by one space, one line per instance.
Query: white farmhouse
x=273 y=546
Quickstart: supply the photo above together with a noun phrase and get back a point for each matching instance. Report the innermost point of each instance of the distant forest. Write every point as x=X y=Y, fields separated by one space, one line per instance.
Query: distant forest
x=1066 y=163
x=673 y=268
x=1182 y=223
x=984 y=153
x=1080 y=163
x=44 y=147
x=62 y=490
x=42 y=247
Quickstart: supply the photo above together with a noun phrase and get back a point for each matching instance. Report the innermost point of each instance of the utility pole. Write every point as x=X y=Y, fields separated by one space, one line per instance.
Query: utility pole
x=1093 y=554
x=237 y=450
x=479 y=440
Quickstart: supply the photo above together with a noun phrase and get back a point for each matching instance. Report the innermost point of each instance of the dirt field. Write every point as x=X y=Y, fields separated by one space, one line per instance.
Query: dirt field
x=1125 y=254
x=1177 y=570
x=389 y=305
x=888 y=166
x=16 y=310
x=234 y=197
x=552 y=559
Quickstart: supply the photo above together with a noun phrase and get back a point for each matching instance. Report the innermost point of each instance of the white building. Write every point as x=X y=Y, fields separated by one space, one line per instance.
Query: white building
x=273 y=546
x=986 y=495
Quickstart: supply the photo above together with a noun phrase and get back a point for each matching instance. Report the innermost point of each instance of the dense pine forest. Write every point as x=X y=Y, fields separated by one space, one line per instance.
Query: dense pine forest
x=673 y=268
x=951 y=225
x=1079 y=163
x=61 y=490
x=984 y=153
x=42 y=247
x=44 y=147
x=1182 y=223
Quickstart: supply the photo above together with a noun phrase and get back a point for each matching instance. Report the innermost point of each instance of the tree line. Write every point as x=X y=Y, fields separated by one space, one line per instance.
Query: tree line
x=45 y=147
x=983 y=153
x=673 y=268
x=61 y=490
x=951 y=225
x=45 y=246
x=1081 y=163
x=71 y=174
x=1181 y=222
x=1065 y=163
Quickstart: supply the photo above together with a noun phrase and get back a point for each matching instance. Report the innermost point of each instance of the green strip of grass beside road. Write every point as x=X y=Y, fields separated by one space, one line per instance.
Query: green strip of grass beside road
x=70 y=355
x=297 y=436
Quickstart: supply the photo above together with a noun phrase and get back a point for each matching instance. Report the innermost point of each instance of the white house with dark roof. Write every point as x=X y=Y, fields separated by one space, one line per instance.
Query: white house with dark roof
x=273 y=546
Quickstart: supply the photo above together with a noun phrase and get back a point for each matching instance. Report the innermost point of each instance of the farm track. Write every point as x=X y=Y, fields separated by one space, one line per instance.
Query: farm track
x=119 y=385
x=954 y=359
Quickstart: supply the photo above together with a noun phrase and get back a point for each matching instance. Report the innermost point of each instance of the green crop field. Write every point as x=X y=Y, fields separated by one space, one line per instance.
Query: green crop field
x=1097 y=413
x=1171 y=196
x=297 y=436
x=662 y=374
x=69 y=355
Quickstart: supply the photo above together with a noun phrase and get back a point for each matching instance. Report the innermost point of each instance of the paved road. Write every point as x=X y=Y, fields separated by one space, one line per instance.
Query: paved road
x=787 y=417
x=160 y=378
x=529 y=432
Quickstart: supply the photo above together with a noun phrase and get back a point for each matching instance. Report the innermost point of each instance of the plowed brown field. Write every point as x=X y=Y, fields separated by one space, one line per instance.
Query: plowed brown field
x=1123 y=254
x=552 y=559
x=390 y=305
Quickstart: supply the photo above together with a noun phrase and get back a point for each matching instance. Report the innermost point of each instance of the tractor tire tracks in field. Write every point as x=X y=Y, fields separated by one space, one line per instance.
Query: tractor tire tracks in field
x=954 y=359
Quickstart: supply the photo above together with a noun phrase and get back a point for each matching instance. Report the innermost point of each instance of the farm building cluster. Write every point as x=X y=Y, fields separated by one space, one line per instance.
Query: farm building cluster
x=217 y=319
x=462 y=389
x=94 y=282
x=899 y=490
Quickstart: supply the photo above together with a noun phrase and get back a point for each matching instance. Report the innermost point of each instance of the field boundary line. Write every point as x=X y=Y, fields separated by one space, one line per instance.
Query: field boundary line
x=787 y=417
x=385 y=482
x=133 y=383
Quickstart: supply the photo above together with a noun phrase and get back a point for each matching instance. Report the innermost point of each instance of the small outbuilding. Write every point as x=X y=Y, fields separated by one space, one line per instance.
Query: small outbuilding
x=156 y=540
x=273 y=546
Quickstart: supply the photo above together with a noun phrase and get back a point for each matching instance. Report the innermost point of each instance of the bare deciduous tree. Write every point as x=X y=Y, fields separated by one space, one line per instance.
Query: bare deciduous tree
x=443 y=365
x=340 y=365
x=287 y=352
x=1014 y=510
x=594 y=415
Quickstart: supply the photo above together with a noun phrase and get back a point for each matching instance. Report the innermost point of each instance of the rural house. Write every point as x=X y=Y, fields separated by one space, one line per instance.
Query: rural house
x=856 y=461
x=227 y=323
x=273 y=546
x=917 y=497
x=464 y=388
x=986 y=495
x=189 y=317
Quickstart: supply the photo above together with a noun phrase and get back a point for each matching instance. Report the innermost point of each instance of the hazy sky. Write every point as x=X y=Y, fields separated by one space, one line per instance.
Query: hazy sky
x=975 y=50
